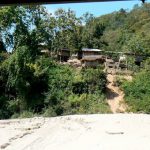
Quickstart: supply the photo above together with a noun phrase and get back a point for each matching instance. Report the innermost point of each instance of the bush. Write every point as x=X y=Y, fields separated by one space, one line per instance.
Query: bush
x=74 y=92
x=79 y=87
x=95 y=80
x=26 y=114
x=5 y=112
x=88 y=103
x=49 y=112
x=147 y=64
x=137 y=92
x=119 y=81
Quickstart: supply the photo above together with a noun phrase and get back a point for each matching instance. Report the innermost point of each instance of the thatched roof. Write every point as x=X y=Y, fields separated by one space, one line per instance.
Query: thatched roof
x=91 y=50
x=93 y=58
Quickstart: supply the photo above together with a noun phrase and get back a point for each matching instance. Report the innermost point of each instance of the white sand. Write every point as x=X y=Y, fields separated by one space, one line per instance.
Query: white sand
x=79 y=132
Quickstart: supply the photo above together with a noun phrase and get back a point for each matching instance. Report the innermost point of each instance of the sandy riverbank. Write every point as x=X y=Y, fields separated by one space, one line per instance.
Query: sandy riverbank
x=78 y=132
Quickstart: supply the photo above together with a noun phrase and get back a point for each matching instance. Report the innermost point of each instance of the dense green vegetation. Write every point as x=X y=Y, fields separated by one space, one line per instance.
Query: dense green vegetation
x=137 y=92
x=120 y=31
x=34 y=84
x=45 y=87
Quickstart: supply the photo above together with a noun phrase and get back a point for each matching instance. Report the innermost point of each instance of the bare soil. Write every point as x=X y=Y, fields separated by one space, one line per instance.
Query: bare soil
x=115 y=97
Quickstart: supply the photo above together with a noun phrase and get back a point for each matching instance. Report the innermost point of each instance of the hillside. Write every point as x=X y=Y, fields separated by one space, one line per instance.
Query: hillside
x=36 y=84
x=120 y=31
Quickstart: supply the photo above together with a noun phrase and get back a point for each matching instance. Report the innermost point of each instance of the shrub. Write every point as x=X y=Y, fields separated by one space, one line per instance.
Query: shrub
x=88 y=103
x=147 y=64
x=137 y=92
x=49 y=112
x=5 y=112
x=119 y=81
x=95 y=80
x=73 y=92
x=26 y=114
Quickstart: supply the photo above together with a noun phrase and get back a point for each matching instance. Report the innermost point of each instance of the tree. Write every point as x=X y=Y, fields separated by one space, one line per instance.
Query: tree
x=25 y=25
x=92 y=33
x=68 y=30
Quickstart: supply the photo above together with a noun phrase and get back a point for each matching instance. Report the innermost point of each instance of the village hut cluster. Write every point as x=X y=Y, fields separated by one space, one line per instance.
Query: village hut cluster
x=95 y=57
x=88 y=57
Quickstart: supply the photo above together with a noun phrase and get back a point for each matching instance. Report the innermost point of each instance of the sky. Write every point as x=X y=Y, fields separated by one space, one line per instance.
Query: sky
x=97 y=8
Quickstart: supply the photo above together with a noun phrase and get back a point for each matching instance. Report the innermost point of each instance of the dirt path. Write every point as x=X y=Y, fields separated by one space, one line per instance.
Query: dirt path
x=115 y=97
